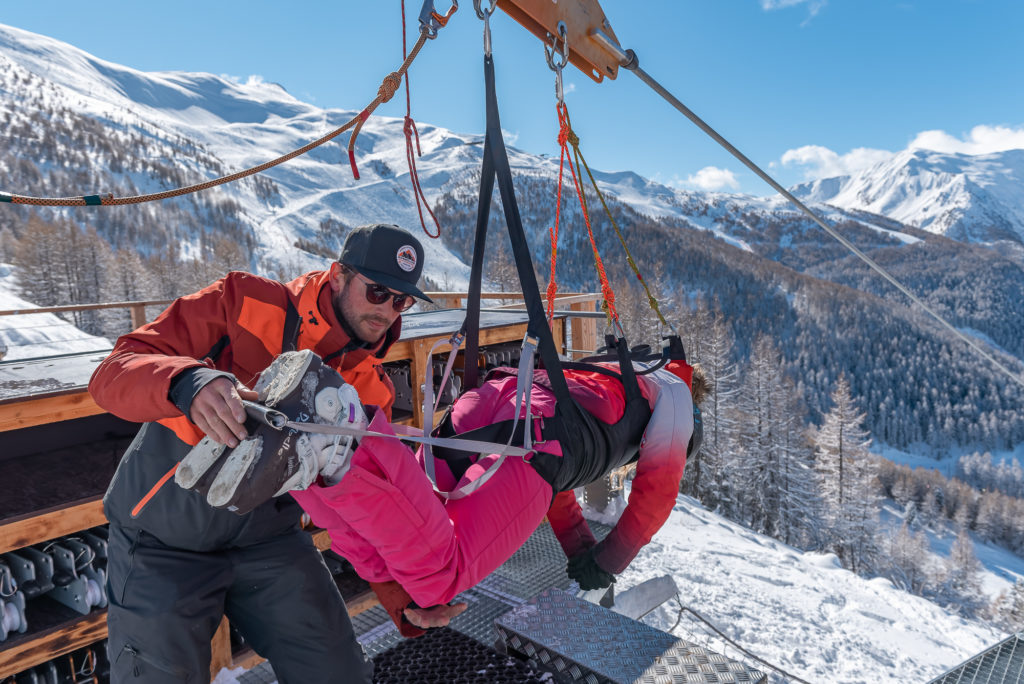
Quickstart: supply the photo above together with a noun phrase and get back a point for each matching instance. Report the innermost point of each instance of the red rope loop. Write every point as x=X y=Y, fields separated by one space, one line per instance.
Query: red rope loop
x=410 y=130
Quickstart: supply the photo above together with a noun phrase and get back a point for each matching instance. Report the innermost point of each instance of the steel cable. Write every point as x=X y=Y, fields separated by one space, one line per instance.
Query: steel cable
x=629 y=60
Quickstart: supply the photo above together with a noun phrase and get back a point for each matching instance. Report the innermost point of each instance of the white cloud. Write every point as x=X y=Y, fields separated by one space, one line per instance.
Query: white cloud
x=980 y=140
x=813 y=6
x=509 y=136
x=713 y=178
x=821 y=162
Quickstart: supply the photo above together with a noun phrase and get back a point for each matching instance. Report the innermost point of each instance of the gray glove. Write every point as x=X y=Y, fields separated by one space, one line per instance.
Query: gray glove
x=273 y=460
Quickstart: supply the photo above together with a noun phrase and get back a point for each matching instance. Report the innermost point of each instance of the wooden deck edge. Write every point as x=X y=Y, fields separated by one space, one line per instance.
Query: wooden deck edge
x=52 y=643
x=36 y=527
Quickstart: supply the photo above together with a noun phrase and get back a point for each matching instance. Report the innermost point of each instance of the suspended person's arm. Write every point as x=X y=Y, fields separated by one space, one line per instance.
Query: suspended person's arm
x=569 y=525
x=655 y=487
x=368 y=564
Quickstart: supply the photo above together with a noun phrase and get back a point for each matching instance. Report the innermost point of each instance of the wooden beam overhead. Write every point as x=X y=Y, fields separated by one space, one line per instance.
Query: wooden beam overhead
x=583 y=19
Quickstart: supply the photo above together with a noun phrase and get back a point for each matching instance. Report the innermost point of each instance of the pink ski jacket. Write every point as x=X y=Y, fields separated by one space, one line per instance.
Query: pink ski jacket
x=387 y=520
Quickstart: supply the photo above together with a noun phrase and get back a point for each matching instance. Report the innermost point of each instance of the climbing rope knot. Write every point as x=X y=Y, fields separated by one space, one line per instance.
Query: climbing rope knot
x=392 y=82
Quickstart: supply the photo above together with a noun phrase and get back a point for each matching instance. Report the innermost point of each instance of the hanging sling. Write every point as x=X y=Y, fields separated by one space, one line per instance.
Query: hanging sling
x=590 y=447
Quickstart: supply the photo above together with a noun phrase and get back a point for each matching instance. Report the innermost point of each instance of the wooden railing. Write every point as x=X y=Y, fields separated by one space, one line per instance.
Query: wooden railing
x=138 y=309
x=582 y=327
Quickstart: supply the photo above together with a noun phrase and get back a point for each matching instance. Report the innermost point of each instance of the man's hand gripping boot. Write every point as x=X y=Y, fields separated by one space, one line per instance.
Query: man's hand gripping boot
x=274 y=460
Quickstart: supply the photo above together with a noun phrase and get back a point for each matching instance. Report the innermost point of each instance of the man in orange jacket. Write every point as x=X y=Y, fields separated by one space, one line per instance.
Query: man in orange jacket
x=176 y=564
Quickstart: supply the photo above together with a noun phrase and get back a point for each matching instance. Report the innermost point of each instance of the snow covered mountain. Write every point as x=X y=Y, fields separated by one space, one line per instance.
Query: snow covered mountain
x=131 y=132
x=73 y=124
x=964 y=197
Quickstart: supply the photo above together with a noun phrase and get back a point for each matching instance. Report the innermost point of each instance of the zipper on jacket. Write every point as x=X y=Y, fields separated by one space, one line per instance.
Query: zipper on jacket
x=152 y=492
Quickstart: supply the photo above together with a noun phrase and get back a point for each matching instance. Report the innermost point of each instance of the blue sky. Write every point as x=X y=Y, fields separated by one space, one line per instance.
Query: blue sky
x=805 y=88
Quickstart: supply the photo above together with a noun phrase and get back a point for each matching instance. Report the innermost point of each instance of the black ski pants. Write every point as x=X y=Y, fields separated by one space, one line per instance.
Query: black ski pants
x=166 y=603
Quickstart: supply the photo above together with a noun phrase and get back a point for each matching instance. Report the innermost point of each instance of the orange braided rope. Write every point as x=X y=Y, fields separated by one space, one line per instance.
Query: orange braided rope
x=606 y=288
x=563 y=137
x=386 y=91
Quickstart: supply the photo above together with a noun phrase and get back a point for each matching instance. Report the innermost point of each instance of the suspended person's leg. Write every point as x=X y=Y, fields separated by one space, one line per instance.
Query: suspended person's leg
x=284 y=602
x=433 y=550
x=165 y=605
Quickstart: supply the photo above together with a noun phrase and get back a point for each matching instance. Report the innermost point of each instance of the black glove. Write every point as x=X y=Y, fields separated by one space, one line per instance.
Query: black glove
x=583 y=568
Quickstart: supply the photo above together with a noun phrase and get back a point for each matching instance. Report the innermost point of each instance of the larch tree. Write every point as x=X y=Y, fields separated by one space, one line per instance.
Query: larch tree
x=848 y=479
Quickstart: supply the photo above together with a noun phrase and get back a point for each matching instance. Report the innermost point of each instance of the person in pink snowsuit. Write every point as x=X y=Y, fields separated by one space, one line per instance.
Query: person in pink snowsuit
x=412 y=544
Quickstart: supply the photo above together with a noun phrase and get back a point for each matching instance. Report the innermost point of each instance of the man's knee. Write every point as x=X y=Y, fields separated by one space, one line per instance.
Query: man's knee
x=152 y=650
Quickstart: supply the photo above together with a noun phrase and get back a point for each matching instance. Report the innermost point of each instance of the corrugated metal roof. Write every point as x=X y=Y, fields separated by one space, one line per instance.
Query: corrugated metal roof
x=1000 y=664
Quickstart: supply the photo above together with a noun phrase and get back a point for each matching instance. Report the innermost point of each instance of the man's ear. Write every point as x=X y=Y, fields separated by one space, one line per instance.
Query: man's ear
x=337 y=277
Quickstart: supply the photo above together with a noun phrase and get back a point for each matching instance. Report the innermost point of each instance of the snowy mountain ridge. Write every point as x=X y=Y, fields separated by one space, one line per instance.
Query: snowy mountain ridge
x=241 y=125
x=968 y=198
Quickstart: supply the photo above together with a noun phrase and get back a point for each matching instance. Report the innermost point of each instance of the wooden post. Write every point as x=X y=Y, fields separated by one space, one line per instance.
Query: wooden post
x=138 y=316
x=417 y=372
x=220 y=648
x=584 y=330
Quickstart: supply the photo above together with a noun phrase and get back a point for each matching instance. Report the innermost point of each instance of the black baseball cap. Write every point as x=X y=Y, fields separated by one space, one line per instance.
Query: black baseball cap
x=385 y=254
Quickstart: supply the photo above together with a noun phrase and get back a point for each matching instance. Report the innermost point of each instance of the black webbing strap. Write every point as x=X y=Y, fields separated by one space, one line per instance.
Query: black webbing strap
x=292 y=322
x=471 y=325
x=496 y=167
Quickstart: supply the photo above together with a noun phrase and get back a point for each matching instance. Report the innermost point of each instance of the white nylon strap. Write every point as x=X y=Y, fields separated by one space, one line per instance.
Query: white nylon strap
x=411 y=434
x=430 y=405
x=524 y=387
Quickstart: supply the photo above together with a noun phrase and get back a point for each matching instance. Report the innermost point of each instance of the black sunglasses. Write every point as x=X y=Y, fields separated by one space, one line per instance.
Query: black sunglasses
x=378 y=294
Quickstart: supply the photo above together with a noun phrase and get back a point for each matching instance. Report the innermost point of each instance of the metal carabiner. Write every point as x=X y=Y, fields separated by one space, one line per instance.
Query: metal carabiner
x=481 y=12
x=431 y=20
x=549 y=53
x=485 y=16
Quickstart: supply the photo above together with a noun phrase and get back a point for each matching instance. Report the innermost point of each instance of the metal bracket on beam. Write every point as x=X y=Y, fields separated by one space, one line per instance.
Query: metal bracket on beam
x=583 y=19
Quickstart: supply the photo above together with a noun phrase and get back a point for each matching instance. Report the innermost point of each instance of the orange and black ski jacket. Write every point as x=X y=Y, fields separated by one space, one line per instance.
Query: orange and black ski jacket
x=236 y=326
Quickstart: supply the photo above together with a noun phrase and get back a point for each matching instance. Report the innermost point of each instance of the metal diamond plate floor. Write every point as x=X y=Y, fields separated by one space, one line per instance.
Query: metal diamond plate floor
x=538 y=565
x=578 y=641
x=504 y=597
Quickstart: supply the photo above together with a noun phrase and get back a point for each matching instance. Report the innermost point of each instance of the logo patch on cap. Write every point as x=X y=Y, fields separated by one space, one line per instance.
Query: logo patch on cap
x=406 y=258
